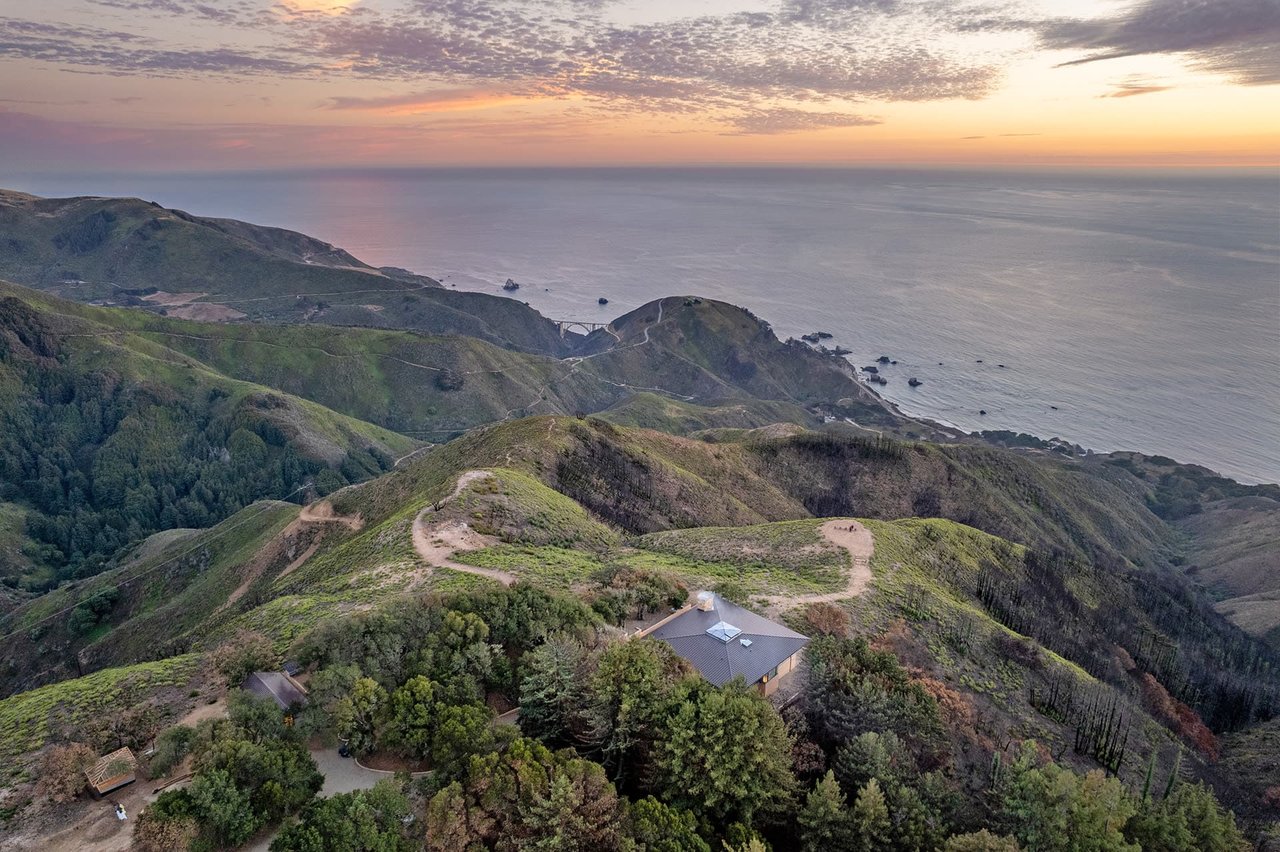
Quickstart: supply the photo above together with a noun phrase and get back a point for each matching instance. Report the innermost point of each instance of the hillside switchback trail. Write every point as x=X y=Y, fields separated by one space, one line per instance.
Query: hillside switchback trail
x=437 y=543
x=853 y=537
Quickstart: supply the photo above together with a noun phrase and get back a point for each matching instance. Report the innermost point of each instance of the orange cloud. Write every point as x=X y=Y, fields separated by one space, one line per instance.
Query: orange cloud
x=324 y=7
x=440 y=100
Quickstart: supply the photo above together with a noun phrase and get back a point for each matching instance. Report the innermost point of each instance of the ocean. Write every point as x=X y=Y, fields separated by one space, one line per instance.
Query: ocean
x=1116 y=310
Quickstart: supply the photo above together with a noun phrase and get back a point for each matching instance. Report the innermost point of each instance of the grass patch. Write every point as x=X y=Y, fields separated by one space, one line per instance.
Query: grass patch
x=520 y=509
x=554 y=567
x=28 y=720
x=797 y=547
x=446 y=581
x=755 y=578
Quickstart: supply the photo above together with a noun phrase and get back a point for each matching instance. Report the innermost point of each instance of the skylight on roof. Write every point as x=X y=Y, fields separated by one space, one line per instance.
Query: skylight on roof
x=724 y=631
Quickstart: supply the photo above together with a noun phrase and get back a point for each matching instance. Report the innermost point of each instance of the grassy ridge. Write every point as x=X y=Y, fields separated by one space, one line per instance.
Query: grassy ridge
x=93 y=249
x=675 y=417
x=518 y=508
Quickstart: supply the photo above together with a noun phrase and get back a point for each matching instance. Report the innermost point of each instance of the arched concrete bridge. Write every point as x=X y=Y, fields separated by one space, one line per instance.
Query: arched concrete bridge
x=579 y=326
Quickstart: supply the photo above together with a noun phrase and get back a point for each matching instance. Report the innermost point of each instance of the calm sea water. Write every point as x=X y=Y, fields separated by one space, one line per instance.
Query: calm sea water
x=1130 y=311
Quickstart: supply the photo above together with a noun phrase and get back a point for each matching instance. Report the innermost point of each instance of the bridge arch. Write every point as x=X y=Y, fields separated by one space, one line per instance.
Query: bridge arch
x=579 y=326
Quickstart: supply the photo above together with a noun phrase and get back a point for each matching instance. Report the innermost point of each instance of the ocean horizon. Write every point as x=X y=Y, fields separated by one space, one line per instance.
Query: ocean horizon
x=1119 y=310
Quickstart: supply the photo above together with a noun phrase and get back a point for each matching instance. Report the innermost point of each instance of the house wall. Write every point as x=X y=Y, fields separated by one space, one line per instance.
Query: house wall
x=784 y=668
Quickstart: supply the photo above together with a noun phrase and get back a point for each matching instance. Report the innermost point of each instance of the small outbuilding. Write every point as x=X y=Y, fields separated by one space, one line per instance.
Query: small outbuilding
x=280 y=687
x=112 y=771
x=723 y=641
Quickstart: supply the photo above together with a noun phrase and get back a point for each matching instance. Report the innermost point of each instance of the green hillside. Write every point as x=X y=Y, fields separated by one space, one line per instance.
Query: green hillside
x=434 y=387
x=1071 y=634
x=282 y=385
x=664 y=414
x=105 y=439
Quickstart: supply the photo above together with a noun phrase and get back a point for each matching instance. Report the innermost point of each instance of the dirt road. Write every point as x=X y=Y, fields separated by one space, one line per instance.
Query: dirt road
x=436 y=543
x=856 y=539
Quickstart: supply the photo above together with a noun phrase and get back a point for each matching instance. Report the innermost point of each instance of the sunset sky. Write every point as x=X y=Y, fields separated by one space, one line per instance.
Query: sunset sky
x=245 y=84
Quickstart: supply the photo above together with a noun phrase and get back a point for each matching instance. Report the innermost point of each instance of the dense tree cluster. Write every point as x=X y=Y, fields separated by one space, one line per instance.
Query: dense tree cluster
x=625 y=592
x=99 y=460
x=621 y=746
x=100 y=463
x=372 y=820
x=250 y=770
x=1050 y=808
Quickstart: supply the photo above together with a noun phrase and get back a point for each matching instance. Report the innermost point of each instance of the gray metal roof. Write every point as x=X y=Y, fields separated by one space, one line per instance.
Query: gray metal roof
x=767 y=643
x=277 y=686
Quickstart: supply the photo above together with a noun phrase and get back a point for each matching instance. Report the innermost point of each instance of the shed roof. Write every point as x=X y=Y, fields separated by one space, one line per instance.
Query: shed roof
x=277 y=686
x=707 y=639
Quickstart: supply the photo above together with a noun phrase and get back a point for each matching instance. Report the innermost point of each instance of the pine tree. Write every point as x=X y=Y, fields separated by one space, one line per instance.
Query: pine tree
x=824 y=821
x=870 y=820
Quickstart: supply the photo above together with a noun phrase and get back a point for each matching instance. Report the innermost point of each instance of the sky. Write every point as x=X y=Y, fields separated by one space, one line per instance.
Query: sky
x=183 y=85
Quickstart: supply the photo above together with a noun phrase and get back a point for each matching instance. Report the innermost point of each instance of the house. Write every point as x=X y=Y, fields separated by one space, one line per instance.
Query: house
x=280 y=687
x=723 y=641
x=112 y=771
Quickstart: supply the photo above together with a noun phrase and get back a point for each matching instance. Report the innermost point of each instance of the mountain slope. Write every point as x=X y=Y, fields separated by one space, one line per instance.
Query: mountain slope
x=1077 y=634
x=104 y=439
x=436 y=386
x=715 y=351
x=124 y=251
x=1233 y=554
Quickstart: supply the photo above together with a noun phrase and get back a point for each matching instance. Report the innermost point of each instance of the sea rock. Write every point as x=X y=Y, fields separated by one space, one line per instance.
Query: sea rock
x=824 y=335
x=982 y=411
x=914 y=382
x=870 y=369
x=510 y=286
x=810 y=338
x=602 y=300
x=883 y=359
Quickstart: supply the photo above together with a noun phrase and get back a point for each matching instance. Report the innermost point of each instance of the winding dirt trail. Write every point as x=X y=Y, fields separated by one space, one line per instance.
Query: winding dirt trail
x=319 y=512
x=322 y=512
x=437 y=543
x=853 y=537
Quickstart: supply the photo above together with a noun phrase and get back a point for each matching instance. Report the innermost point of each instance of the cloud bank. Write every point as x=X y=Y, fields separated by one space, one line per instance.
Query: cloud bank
x=790 y=65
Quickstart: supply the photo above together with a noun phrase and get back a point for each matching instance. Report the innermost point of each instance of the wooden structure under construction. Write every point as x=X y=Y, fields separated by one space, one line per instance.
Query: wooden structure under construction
x=112 y=771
